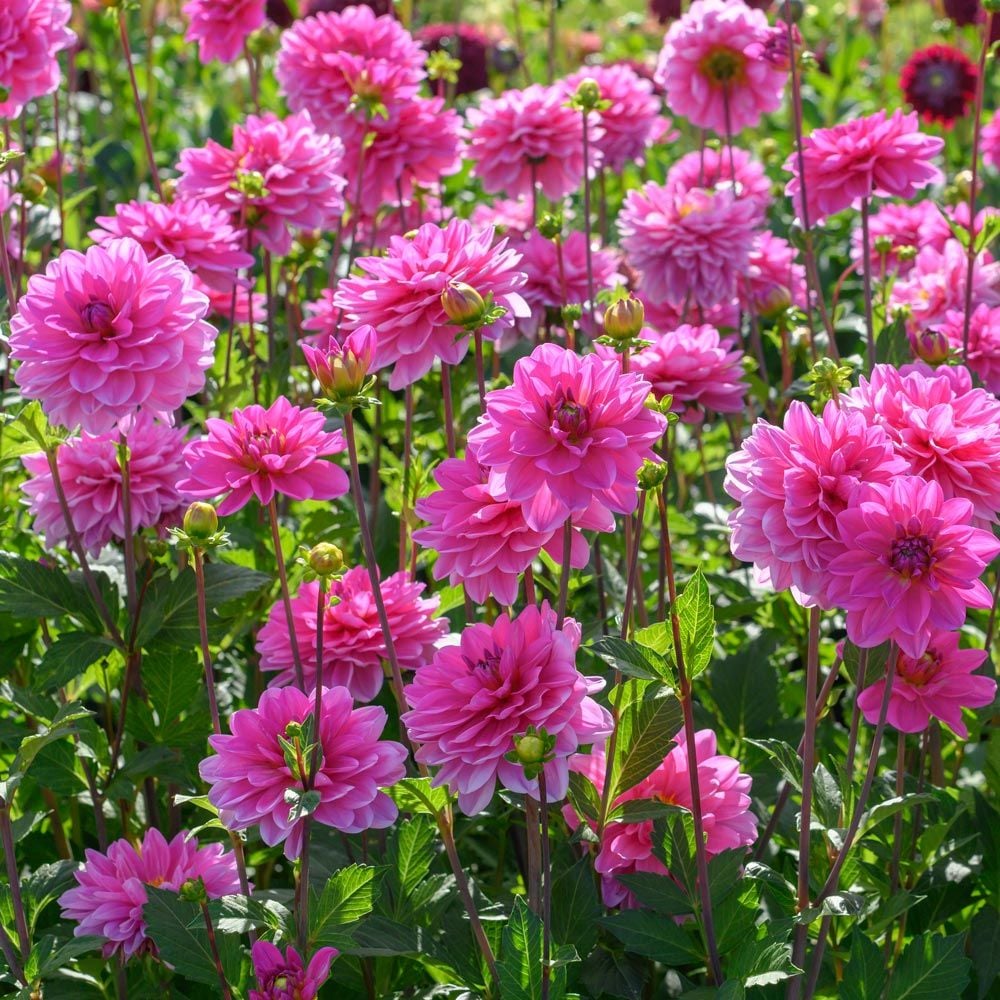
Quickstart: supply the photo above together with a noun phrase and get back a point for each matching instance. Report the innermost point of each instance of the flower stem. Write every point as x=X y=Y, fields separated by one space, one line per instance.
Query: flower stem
x=272 y=513
x=866 y=257
x=477 y=338
x=533 y=877
x=14 y=879
x=565 y=570
x=214 y=946
x=143 y=124
x=449 y=409
x=404 y=512
x=543 y=805
x=206 y=653
x=586 y=213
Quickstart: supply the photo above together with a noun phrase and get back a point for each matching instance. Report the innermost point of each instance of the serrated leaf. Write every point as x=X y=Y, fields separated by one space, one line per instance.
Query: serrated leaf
x=348 y=895
x=649 y=934
x=931 y=966
x=30 y=590
x=865 y=973
x=416 y=795
x=412 y=852
x=68 y=657
x=645 y=730
x=174 y=679
x=25 y=432
x=658 y=892
x=630 y=659
x=784 y=755
x=883 y=810
x=763 y=963
x=658 y=637
x=745 y=688
x=697 y=625
x=583 y=797
x=520 y=964
x=984 y=944
x=575 y=906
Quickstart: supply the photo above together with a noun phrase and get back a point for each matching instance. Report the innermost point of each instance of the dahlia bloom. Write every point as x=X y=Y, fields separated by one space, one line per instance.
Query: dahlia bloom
x=249 y=776
x=482 y=540
x=278 y=175
x=111 y=888
x=725 y=804
x=910 y=564
x=261 y=453
x=792 y=482
x=697 y=367
x=712 y=69
x=471 y=700
x=353 y=645
x=696 y=244
x=221 y=27
x=661 y=316
x=983 y=356
x=92 y=481
x=103 y=334
x=251 y=307
x=506 y=215
x=400 y=295
x=195 y=232
x=939 y=83
x=906 y=225
x=569 y=431
x=285 y=976
x=773 y=280
x=32 y=34
x=530 y=136
x=879 y=154
x=936 y=685
x=944 y=434
x=466 y=43
x=325 y=61
x=629 y=124
x=341 y=366
x=989 y=141
x=733 y=168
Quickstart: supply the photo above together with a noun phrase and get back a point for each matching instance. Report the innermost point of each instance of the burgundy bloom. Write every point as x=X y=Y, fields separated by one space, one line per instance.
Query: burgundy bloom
x=466 y=43
x=939 y=82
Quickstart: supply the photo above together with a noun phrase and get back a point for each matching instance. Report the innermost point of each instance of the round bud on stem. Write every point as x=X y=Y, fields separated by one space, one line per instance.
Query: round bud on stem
x=931 y=346
x=201 y=521
x=623 y=319
x=325 y=559
x=588 y=94
x=530 y=748
x=652 y=475
x=463 y=305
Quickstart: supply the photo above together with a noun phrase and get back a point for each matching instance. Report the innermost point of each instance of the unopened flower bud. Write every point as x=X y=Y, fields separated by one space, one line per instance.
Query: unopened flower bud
x=325 y=559
x=963 y=185
x=623 y=319
x=32 y=187
x=906 y=252
x=201 y=521
x=463 y=305
x=588 y=94
x=652 y=475
x=883 y=245
x=550 y=225
x=931 y=346
x=530 y=748
x=193 y=891
x=342 y=369
x=571 y=312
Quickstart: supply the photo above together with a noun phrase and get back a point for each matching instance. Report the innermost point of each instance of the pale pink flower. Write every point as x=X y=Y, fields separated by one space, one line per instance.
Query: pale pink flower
x=222 y=27
x=353 y=643
x=693 y=246
x=983 y=356
x=791 y=482
x=529 y=135
x=261 y=453
x=879 y=154
x=774 y=281
x=102 y=334
x=32 y=34
x=285 y=976
x=250 y=777
x=277 y=176
x=471 y=700
x=195 y=232
x=714 y=168
x=569 y=431
x=400 y=295
x=910 y=564
x=713 y=68
x=110 y=894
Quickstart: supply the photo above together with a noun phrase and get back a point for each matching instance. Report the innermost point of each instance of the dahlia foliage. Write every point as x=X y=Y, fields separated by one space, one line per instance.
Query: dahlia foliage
x=499 y=501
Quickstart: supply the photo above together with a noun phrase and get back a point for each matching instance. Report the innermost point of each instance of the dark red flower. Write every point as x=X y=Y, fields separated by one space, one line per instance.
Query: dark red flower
x=463 y=42
x=311 y=7
x=665 y=10
x=939 y=82
x=963 y=12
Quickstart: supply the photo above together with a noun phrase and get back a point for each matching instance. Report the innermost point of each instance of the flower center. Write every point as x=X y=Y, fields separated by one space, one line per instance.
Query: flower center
x=98 y=317
x=723 y=65
x=920 y=671
x=911 y=555
x=488 y=662
x=569 y=418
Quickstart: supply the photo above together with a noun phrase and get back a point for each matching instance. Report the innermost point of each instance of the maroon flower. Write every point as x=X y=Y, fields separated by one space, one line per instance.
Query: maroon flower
x=466 y=43
x=939 y=82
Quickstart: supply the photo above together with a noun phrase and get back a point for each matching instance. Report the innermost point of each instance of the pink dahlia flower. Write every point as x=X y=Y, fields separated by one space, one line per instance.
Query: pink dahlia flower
x=195 y=232
x=983 y=356
x=701 y=370
x=714 y=168
x=285 y=976
x=663 y=316
x=341 y=365
x=910 y=564
x=250 y=777
x=990 y=142
x=471 y=700
x=880 y=154
x=353 y=646
x=569 y=432
x=336 y=66
x=689 y=247
x=92 y=480
x=773 y=280
x=506 y=215
x=110 y=894
x=482 y=540
x=945 y=434
x=32 y=34
x=725 y=803
x=251 y=307
x=103 y=334
x=906 y=226
x=936 y=685
x=713 y=69
x=400 y=295
x=792 y=482
x=526 y=136
x=262 y=453
x=278 y=175
x=630 y=123
x=222 y=27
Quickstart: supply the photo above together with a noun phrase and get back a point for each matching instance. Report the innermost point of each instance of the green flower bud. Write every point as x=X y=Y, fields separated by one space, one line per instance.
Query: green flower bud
x=652 y=475
x=883 y=245
x=325 y=559
x=463 y=305
x=193 y=891
x=32 y=187
x=550 y=225
x=623 y=319
x=530 y=748
x=201 y=521
x=588 y=94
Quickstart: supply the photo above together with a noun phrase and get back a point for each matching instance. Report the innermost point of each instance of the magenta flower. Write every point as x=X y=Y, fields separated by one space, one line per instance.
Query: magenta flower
x=250 y=306
x=526 y=136
x=92 y=480
x=714 y=169
x=792 y=482
x=471 y=700
x=222 y=27
x=569 y=432
x=774 y=281
x=983 y=356
x=279 y=175
x=32 y=34
x=353 y=645
x=880 y=154
x=110 y=895
x=990 y=142
x=713 y=68
x=690 y=247
x=103 y=334
x=664 y=316
x=906 y=226
x=945 y=434
x=936 y=685
x=285 y=976
x=910 y=564
x=400 y=295
x=342 y=367
x=510 y=215
x=250 y=777
x=195 y=232
x=262 y=453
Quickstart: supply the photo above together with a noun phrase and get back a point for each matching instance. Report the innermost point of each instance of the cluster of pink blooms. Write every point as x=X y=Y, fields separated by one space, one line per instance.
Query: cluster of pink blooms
x=32 y=34
x=222 y=29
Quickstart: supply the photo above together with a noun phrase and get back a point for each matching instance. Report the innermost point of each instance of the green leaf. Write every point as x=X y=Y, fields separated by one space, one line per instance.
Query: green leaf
x=865 y=974
x=60 y=727
x=646 y=727
x=68 y=657
x=745 y=688
x=658 y=892
x=575 y=906
x=348 y=895
x=697 y=625
x=632 y=660
x=657 y=637
x=875 y=663
x=763 y=963
x=892 y=344
x=931 y=967
x=826 y=797
x=520 y=964
x=25 y=433
x=415 y=795
x=984 y=941
x=883 y=810
x=412 y=852
x=784 y=755
x=30 y=590
x=174 y=679
x=649 y=934
x=583 y=797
